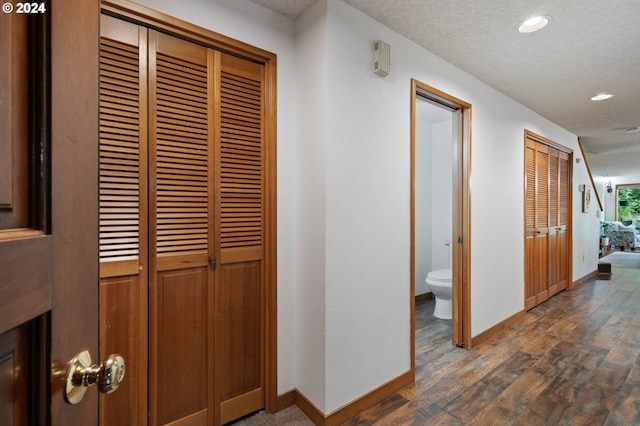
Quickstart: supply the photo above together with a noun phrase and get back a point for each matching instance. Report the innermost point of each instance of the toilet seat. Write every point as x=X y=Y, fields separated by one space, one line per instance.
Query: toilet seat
x=440 y=276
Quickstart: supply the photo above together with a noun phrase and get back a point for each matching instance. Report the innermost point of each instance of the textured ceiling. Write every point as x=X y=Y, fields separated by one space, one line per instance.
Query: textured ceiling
x=590 y=47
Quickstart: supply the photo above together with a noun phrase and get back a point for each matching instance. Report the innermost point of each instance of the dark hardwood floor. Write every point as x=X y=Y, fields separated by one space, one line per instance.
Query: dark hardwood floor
x=574 y=360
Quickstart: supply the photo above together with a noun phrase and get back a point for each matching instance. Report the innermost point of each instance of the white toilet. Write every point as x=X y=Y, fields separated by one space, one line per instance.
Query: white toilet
x=439 y=283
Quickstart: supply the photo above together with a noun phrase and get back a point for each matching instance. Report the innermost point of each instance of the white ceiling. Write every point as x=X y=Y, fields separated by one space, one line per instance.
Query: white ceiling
x=590 y=47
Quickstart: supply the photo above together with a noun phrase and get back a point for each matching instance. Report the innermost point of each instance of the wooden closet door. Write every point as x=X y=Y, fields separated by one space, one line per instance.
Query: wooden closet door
x=530 y=223
x=558 y=220
x=182 y=200
x=547 y=220
x=542 y=223
x=181 y=189
x=123 y=215
x=554 y=209
x=564 y=218
x=239 y=288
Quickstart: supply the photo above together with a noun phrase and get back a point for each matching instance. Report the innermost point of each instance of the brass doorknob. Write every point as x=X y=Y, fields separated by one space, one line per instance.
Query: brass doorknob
x=81 y=374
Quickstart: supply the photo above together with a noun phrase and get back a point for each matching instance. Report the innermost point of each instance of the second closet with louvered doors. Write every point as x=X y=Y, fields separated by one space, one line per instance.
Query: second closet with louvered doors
x=182 y=208
x=547 y=218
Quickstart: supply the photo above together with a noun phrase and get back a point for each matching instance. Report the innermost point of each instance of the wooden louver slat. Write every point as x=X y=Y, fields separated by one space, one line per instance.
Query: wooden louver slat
x=119 y=151
x=181 y=156
x=240 y=161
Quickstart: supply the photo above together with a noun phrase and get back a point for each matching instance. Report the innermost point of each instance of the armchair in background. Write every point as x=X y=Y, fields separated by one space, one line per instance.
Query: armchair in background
x=622 y=236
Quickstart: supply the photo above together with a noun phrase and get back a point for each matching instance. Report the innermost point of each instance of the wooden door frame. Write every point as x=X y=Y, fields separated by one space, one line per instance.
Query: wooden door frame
x=616 y=188
x=150 y=18
x=461 y=235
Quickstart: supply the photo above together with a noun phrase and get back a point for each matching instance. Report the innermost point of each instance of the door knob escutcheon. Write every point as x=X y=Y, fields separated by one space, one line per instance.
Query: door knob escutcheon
x=81 y=374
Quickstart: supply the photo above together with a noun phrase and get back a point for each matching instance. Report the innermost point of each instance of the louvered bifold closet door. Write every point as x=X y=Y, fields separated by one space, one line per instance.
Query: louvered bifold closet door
x=530 y=223
x=564 y=215
x=239 y=332
x=542 y=223
x=554 y=205
x=123 y=215
x=181 y=238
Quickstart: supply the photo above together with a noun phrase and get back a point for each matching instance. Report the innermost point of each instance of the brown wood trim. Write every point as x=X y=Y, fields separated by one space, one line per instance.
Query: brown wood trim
x=424 y=296
x=233 y=408
x=615 y=191
x=198 y=418
x=412 y=247
x=147 y=17
x=119 y=268
x=311 y=411
x=539 y=138
x=586 y=163
x=590 y=276
x=270 y=234
x=466 y=226
x=440 y=97
x=168 y=262
x=240 y=254
x=350 y=410
x=498 y=328
x=284 y=400
x=367 y=400
x=16 y=234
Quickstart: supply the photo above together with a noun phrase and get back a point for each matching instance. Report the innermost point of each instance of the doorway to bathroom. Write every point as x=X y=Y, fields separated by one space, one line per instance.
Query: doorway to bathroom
x=440 y=202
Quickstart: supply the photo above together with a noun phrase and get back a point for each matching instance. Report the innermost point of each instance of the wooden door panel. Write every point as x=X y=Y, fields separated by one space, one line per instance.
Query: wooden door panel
x=120 y=331
x=563 y=260
x=530 y=223
x=181 y=235
x=530 y=273
x=564 y=219
x=542 y=223
x=554 y=254
x=123 y=214
x=182 y=330
x=239 y=294
x=238 y=331
x=542 y=270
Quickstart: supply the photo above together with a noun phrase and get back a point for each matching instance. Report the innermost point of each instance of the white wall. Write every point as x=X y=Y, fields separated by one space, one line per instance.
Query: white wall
x=311 y=52
x=442 y=204
x=343 y=193
x=423 y=197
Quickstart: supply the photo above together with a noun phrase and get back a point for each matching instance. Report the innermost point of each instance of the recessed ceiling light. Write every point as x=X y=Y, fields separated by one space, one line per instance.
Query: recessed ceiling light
x=533 y=24
x=602 y=97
